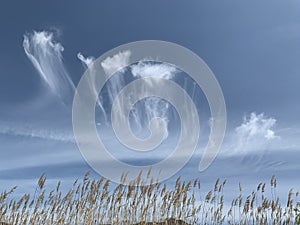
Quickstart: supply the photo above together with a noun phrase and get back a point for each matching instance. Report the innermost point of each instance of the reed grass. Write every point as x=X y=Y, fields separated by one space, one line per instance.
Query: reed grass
x=94 y=202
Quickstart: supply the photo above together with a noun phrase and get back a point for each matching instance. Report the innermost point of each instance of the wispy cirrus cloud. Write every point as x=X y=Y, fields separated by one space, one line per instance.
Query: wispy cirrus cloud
x=87 y=61
x=149 y=107
x=46 y=56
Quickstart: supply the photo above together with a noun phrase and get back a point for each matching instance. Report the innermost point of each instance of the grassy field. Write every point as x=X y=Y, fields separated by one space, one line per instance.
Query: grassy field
x=98 y=202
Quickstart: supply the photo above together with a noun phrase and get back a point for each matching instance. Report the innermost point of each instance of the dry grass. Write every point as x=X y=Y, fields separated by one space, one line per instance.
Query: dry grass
x=96 y=202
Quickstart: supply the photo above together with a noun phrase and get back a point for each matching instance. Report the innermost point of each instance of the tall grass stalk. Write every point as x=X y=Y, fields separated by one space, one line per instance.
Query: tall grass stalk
x=94 y=202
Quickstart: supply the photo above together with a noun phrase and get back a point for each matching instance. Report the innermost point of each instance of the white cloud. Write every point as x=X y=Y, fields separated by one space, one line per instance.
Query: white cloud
x=255 y=134
x=144 y=69
x=87 y=61
x=46 y=56
x=116 y=62
x=256 y=126
x=270 y=135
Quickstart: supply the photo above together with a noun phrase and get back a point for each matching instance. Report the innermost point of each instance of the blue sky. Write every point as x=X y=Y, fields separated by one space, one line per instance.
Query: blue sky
x=253 y=48
x=250 y=44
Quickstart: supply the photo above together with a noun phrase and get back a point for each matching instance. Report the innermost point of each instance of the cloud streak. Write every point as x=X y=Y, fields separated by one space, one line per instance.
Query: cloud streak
x=30 y=132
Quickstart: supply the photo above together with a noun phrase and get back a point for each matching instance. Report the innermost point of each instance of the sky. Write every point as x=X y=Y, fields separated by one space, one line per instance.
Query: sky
x=252 y=47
